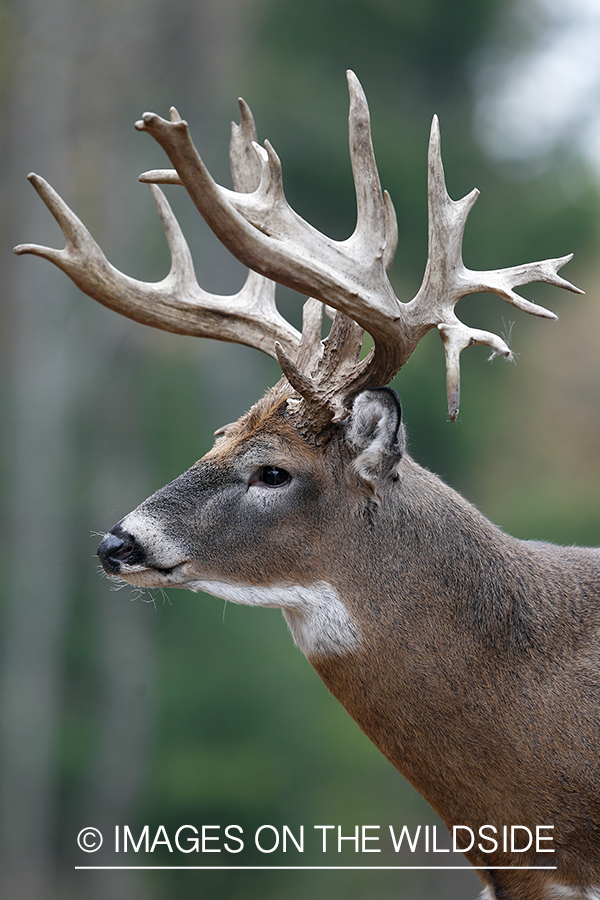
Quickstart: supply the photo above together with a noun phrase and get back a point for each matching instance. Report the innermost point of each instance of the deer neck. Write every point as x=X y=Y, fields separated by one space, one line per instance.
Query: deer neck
x=449 y=606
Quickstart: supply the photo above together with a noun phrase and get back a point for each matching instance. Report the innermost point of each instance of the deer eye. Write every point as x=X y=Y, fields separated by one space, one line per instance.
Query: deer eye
x=271 y=476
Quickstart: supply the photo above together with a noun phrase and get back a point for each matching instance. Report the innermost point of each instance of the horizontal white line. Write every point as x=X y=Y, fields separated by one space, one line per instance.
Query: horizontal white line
x=328 y=868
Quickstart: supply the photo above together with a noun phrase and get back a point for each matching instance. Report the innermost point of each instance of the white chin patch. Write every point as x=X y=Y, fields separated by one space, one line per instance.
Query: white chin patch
x=319 y=621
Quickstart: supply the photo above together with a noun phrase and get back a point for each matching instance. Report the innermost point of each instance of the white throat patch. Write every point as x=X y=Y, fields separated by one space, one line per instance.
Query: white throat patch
x=319 y=621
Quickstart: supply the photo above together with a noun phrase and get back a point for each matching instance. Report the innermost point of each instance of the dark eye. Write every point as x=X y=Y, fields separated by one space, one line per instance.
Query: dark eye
x=272 y=476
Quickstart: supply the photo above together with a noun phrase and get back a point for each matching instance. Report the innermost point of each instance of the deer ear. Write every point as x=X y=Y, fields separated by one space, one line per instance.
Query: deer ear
x=375 y=433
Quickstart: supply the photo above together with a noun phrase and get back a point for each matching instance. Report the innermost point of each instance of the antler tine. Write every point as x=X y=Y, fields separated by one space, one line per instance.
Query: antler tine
x=457 y=337
x=244 y=162
x=391 y=232
x=447 y=279
x=371 y=209
x=177 y=303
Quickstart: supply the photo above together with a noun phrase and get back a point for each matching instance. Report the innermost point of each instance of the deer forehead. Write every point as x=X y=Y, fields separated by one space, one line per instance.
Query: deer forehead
x=265 y=440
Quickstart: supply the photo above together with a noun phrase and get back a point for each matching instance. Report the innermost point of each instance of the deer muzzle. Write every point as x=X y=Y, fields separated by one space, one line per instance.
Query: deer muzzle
x=118 y=547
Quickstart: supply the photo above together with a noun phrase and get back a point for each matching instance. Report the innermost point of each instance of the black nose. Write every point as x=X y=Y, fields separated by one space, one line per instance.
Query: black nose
x=116 y=547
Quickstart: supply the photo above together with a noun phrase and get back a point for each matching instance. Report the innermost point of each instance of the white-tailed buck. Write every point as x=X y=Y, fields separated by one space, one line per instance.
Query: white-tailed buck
x=470 y=658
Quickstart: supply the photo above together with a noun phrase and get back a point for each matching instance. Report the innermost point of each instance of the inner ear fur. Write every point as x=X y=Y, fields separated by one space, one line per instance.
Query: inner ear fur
x=374 y=432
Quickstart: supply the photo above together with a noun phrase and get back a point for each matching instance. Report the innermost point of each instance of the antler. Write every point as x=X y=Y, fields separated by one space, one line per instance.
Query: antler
x=265 y=233
x=177 y=303
x=260 y=228
x=447 y=279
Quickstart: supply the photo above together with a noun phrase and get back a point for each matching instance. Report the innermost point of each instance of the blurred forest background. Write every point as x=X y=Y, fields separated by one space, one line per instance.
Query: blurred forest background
x=120 y=708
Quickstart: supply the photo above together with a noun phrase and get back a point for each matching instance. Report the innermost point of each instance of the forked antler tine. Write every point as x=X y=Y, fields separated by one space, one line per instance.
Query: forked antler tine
x=80 y=245
x=75 y=232
x=447 y=220
x=177 y=303
x=163 y=176
x=501 y=282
